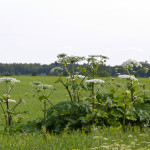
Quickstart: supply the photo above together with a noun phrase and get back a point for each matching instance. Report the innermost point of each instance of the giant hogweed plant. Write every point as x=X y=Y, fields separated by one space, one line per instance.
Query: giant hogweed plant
x=74 y=80
x=43 y=92
x=94 y=61
x=7 y=85
x=131 y=94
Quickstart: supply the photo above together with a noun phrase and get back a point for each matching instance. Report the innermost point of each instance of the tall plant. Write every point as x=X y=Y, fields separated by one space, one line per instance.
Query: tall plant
x=5 y=99
x=74 y=80
x=94 y=61
x=43 y=92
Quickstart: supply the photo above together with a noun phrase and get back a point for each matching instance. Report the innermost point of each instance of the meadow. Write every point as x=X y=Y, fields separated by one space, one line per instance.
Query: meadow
x=98 y=138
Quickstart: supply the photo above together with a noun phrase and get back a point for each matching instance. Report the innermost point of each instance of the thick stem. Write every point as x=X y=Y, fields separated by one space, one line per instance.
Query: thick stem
x=124 y=115
x=4 y=113
x=132 y=94
x=93 y=90
x=66 y=89
x=44 y=110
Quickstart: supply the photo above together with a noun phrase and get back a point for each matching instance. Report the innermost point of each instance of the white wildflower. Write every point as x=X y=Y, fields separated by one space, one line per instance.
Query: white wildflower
x=124 y=76
x=10 y=101
x=77 y=76
x=103 y=146
x=105 y=139
x=73 y=59
x=46 y=86
x=7 y=79
x=131 y=63
x=36 y=83
x=95 y=148
x=95 y=81
x=130 y=136
x=56 y=69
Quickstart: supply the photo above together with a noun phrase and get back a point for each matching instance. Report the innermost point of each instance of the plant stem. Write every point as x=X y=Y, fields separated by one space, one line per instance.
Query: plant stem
x=124 y=115
x=44 y=110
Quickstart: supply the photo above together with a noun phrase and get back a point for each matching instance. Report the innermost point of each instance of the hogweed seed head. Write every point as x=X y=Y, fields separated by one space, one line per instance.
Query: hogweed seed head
x=8 y=79
x=124 y=76
x=131 y=63
x=95 y=81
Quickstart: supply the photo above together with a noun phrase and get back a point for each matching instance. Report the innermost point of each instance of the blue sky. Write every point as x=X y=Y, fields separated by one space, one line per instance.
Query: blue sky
x=36 y=31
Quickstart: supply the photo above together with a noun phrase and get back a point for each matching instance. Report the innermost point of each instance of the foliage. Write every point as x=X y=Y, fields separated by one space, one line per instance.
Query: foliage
x=66 y=114
x=5 y=99
x=107 y=138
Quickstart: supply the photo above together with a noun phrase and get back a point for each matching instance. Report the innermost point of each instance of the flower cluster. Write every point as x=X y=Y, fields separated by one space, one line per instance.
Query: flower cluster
x=94 y=58
x=10 y=101
x=77 y=76
x=131 y=63
x=128 y=77
x=36 y=83
x=7 y=79
x=95 y=81
x=41 y=86
x=56 y=69
x=73 y=59
x=46 y=86
x=64 y=59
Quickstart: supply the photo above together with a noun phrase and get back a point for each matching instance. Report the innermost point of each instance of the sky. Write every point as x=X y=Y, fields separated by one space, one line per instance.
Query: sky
x=36 y=31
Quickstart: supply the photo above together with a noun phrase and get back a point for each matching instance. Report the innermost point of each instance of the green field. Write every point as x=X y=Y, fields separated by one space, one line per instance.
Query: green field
x=98 y=139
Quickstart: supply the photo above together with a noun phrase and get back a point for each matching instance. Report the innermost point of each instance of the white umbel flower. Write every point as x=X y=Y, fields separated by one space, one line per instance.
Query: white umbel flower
x=56 y=69
x=10 y=101
x=7 y=79
x=46 y=86
x=95 y=81
x=131 y=63
x=124 y=76
x=77 y=76
x=36 y=83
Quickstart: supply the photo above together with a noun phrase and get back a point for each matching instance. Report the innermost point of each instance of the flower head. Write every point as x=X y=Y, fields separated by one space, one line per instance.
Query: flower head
x=46 y=86
x=7 y=79
x=77 y=76
x=36 y=83
x=74 y=59
x=131 y=63
x=95 y=81
x=124 y=76
x=56 y=69
x=10 y=101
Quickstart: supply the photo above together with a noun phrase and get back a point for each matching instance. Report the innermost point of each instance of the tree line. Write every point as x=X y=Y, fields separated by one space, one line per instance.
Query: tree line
x=39 y=69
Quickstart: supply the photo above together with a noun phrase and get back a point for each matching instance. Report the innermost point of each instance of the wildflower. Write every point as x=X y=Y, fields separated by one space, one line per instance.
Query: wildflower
x=97 y=137
x=73 y=59
x=95 y=148
x=7 y=79
x=131 y=63
x=36 y=83
x=104 y=146
x=95 y=81
x=61 y=55
x=130 y=136
x=46 y=86
x=124 y=76
x=105 y=139
x=77 y=76
x=56 y=69
x=10 y=101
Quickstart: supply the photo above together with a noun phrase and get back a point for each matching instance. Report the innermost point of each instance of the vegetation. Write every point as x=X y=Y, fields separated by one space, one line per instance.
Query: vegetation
x=92 y=106
x=38 y=69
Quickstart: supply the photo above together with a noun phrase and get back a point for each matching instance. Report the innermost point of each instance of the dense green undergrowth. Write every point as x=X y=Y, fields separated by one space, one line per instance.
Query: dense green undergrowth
x=97 y=139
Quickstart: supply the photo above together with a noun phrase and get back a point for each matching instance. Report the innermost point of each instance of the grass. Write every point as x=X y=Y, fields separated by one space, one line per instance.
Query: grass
x=110 y=138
